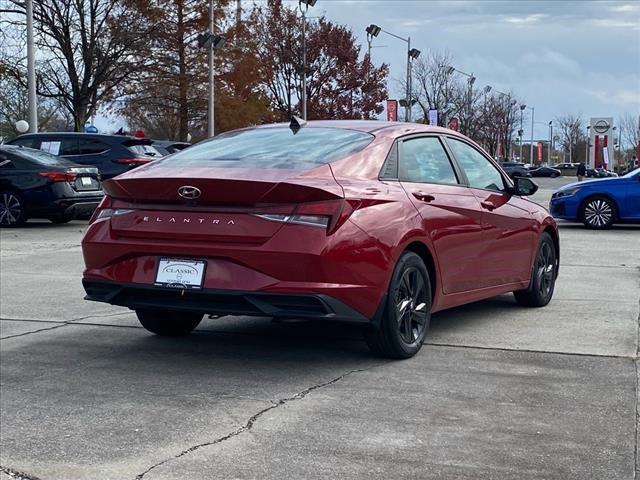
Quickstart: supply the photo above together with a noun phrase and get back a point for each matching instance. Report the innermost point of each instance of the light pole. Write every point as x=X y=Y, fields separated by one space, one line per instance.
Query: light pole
x=485 y=90
x=31 y=71
x=412 y=54
x=470 y=80
x=211 y=42
x=588 y=146
x=550 y=142
x=307 y=4
x=522 y=107
x=507 y=121
x=521 y=131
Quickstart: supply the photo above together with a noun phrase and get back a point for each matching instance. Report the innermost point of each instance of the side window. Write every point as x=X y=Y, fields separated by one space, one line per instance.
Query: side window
x=424 y=160
x=87 y=146
x=27 y=142
x=480 y=171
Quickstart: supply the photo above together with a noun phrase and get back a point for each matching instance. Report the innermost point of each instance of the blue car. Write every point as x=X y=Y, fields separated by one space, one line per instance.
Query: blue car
x=599 y=203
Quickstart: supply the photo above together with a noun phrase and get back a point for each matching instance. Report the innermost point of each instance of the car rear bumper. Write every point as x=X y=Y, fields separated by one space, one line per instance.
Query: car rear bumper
x=227 y=302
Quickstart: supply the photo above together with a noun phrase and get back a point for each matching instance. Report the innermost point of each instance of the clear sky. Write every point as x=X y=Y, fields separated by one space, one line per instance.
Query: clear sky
x=559 y=56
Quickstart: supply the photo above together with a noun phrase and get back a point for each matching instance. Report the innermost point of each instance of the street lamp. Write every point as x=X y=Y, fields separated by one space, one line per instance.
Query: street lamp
x=521 y=131
x=522 y=107
x=588 y=145
x=211 y=42
x=470 y=80
x=307 y=4
x=412 y=53
x=550 y=142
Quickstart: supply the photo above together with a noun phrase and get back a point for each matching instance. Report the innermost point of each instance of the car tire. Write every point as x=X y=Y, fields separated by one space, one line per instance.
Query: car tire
x=598 y=212
x=543 y=275
x=12 y=209
x=168 y=323
x=554 y=175
x=407 y=311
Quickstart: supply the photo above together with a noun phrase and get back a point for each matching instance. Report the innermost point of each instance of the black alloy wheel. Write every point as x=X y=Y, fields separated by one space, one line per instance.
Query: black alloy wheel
x=12 y=212
x=598 y=213
x=543 y=275
x=408 y=311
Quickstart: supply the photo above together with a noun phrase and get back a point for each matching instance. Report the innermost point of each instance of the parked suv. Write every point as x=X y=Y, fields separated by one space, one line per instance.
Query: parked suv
x=110 y=154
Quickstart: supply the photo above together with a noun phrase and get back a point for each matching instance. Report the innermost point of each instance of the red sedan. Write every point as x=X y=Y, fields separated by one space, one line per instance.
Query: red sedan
x=358 y=221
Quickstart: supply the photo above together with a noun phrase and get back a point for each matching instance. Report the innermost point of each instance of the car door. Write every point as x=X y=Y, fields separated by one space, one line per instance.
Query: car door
x=508 y=227
x=451 y=215
x=631 y=198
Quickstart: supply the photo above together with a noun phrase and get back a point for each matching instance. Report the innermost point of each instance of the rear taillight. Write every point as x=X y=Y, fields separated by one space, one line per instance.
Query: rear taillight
x=329 y=215
x=132 y=161
x=59 y=176
x=104 y=211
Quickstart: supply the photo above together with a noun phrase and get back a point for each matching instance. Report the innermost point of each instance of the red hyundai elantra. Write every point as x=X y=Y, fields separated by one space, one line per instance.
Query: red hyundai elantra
x=358 y=221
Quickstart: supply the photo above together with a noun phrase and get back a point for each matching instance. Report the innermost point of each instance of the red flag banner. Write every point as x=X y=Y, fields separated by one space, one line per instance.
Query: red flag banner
x=392 y=110
x=539 y=151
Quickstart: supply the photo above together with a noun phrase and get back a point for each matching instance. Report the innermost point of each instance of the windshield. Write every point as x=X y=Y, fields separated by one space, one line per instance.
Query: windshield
x=631 y=173
x=275 y=147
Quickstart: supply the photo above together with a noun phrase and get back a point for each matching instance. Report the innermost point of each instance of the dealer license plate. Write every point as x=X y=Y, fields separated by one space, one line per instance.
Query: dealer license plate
x=180 y=273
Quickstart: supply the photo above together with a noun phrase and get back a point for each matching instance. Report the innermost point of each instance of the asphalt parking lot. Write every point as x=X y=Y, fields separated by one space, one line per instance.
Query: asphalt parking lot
x=498 y=391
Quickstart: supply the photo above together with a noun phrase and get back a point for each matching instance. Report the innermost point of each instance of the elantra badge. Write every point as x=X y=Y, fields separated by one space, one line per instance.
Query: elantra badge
x=189 y=192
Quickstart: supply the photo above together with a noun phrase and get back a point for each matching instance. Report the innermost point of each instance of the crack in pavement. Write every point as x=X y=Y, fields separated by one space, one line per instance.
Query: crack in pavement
x=16 y=474
x=60 y=323
x=252 y=420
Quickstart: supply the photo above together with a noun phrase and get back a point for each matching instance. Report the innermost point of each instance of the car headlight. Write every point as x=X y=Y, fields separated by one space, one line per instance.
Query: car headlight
x=566 y=193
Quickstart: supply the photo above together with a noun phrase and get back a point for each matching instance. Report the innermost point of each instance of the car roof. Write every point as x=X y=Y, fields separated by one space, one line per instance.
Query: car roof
x=82 y=134
x=370 y=126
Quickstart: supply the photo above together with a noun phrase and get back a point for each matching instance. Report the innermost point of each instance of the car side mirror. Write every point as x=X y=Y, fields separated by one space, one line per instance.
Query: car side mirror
x=524 y=186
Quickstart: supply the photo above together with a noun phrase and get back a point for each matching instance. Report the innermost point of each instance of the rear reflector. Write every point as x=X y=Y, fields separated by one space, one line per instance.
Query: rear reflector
x=59 y=176
x=132 y=161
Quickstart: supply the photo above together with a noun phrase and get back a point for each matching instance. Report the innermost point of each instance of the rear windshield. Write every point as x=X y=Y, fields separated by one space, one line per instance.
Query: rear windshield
x=276 y=147
x=148 y=150
x=40 y=157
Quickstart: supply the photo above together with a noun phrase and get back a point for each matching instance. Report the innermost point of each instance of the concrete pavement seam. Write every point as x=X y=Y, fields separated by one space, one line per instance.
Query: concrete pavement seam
x=16 y=474
x=635 y=450
x=252 y=420
x=525 y=350
x=34 y=331
x=62 y=323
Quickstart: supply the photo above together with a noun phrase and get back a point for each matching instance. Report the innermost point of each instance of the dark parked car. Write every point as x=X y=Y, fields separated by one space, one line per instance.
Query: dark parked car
x=376 y=223
x=515 y=169
x=37 y=184
x=599 y=173
x=599 y=203
x=167 y=147
x=110 y=154
x=545 y=172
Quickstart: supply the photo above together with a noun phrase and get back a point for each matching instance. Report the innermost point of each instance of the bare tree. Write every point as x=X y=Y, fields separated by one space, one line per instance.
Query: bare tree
x=89 y=49
x=629 y=125
x=14 y=106
x=571 y=133
x=434 y=86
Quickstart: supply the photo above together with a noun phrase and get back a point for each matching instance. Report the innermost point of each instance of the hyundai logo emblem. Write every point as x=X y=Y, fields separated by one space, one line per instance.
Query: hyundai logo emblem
x=189 y=192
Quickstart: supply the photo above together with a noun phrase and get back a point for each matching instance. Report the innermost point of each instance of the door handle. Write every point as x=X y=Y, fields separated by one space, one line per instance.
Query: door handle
x=488 y=205
x=424 y=197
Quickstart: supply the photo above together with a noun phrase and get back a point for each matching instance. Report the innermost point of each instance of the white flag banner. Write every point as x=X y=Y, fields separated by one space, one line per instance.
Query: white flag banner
x=433 y=117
